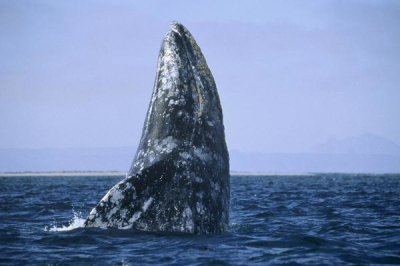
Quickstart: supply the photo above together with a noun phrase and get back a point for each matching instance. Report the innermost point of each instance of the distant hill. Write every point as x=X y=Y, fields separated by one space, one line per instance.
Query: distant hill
x=314 y=162
x=365 y=153
x=362 y=144
x=68 y=159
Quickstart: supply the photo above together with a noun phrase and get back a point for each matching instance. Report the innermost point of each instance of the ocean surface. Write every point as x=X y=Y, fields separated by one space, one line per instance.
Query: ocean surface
x=330 y=219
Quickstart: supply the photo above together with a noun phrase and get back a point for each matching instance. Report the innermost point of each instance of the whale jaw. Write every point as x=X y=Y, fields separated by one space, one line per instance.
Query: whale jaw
x=179 y=179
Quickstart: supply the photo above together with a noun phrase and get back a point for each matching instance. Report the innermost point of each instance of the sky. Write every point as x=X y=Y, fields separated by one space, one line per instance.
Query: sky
x=291 y=74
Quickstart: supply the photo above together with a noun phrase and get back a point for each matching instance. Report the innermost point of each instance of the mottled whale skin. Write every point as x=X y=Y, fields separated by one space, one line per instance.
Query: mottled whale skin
x=179 y=180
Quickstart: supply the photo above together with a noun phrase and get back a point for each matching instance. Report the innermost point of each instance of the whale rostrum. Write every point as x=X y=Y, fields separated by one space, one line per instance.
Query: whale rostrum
x=179 y=180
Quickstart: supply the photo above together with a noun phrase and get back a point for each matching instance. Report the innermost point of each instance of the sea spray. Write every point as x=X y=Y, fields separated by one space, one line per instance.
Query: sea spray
x=77 y=221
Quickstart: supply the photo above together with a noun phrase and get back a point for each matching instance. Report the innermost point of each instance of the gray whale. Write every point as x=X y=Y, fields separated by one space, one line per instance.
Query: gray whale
x=179 y=180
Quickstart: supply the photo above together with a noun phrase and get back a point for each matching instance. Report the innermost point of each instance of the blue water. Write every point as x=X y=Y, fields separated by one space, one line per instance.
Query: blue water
x=324 y=219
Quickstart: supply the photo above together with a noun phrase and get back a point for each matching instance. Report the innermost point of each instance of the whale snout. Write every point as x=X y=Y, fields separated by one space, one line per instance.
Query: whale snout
x=177 y=27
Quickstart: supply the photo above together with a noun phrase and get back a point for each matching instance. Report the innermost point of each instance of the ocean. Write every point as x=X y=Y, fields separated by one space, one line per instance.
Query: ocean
x=320 y=219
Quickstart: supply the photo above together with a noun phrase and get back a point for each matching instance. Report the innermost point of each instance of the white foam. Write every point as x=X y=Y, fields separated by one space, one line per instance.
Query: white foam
x=76 y=222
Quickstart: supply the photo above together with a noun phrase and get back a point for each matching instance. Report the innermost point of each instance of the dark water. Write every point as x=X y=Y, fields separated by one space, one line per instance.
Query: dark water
x=324 y=219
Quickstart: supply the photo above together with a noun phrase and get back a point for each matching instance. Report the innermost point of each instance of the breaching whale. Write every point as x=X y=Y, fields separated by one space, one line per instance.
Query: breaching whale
x=179 y=180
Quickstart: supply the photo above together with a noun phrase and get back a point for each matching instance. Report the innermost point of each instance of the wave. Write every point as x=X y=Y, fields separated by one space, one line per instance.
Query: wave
x=77 y=221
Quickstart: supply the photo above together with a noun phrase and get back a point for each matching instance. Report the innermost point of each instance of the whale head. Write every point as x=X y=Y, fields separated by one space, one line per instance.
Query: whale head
x=185 y=106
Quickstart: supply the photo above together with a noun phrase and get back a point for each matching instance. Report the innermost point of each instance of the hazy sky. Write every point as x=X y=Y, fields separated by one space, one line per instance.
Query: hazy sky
x=290 y=74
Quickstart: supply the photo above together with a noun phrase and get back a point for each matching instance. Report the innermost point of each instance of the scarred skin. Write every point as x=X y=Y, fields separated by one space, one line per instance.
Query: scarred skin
x=179 y=179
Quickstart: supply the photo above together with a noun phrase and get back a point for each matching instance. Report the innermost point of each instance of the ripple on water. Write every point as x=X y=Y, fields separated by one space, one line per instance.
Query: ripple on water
x=322 y=219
